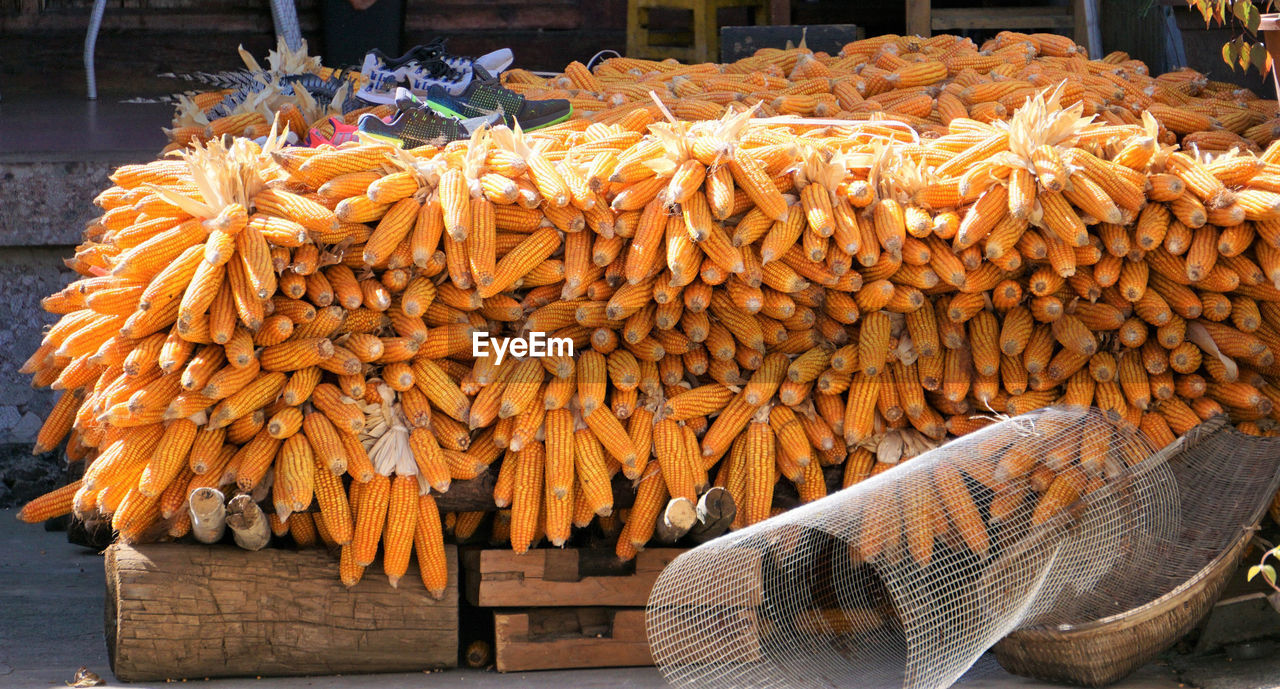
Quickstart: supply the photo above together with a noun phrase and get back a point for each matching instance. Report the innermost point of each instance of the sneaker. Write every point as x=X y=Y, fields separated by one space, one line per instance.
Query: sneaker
x=485 y=95
x=416 y=124
x=422 y=67
x=342 y=133
x=493 y=63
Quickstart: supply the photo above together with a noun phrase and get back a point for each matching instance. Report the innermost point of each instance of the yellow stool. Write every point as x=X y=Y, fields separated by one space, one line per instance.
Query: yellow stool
x=700 y=45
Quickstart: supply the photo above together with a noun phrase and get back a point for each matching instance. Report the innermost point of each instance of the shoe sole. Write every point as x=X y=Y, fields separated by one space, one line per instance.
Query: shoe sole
x=379 y=97
x=528 y=127
x=385 y=137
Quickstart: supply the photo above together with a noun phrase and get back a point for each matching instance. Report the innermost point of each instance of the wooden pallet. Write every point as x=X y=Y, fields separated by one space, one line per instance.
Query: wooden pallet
x=540 y=622
x=178 y=611
x=559 y=638
x=561 y=578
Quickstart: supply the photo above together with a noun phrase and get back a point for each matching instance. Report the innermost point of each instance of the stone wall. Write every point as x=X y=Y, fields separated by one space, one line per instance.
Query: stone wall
x=45 y=202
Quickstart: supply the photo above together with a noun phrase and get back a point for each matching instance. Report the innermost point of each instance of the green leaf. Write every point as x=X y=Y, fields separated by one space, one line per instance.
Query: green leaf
x=1253 y=572
x=1239 y=9
x=1246 y=50
x=1253 y=19
x=1269 y=573
x=1260 y=58
x=1231 y=52
x=1222 y=11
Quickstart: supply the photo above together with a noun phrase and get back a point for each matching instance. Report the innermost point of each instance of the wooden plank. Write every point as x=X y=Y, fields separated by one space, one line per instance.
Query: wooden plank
x=491 y=17
x=564 y=638
x=604 y=13
x=140 y=20
x=1003 y=18
x=561 y=578
x=178 y=611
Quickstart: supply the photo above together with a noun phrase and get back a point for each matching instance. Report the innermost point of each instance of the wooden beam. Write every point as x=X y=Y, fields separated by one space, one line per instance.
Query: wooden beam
x=559 y=638
x=495 y=17
x=498 y=578
x=476 y=495
x=135 y=20
x=177 y=611
x=1003 y=18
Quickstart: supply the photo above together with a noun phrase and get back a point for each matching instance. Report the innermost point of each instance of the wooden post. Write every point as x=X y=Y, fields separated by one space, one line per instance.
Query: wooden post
x=706 y=32
x=779 y=12
x=919 y=18
x=1080 y=29
x=177 y=611
x=1270 y=28
x=637 y=28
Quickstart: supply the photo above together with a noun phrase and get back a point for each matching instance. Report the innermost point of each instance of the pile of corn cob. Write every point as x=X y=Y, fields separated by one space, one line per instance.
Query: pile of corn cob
x=750 y=299
x=925 y=82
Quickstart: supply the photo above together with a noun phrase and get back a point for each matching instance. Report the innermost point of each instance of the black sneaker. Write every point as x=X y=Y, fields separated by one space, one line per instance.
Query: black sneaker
x=494 y=62
x=417 y=125
x=485 y=95
x=422 y=67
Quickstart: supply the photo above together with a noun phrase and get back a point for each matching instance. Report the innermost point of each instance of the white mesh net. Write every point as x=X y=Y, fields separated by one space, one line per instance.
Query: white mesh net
x=1053 y=518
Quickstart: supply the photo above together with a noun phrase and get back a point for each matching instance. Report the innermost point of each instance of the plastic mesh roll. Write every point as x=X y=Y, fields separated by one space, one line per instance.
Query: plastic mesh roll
x=904 y=580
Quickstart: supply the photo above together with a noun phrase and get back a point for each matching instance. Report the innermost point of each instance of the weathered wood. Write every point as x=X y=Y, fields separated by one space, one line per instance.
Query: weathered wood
x=476 y=495
x=562 y=578
x=190 y=611
x=472 y=495
x=919 y=18
x=570 y=637
x=463 y=16
x=944 y=20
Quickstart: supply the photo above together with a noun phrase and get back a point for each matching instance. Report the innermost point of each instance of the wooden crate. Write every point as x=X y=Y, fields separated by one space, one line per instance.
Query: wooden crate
x=178 y=611
x=562 y=577
x=560 y=638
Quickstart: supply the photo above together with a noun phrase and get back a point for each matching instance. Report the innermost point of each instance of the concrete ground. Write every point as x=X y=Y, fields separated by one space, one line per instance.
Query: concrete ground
x=51 y=624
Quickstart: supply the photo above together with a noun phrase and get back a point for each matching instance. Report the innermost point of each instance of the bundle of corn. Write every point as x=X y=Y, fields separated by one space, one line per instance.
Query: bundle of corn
x=924 y=81
x=747 y=298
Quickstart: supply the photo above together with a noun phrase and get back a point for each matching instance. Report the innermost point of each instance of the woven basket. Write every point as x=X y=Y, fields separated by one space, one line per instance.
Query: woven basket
x=1106 y=650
